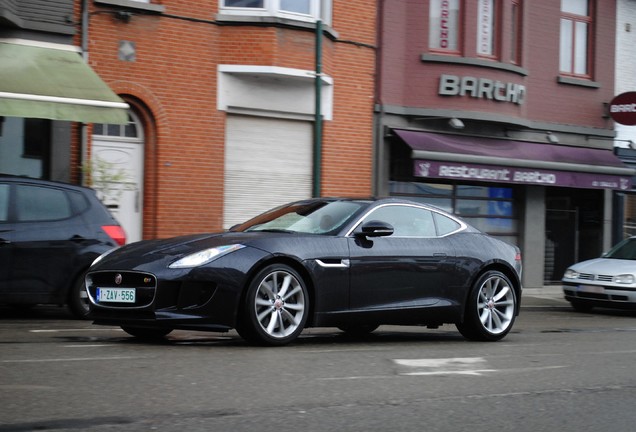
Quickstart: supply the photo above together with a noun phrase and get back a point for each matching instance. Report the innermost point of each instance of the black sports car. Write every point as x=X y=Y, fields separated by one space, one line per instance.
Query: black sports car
x=326 y=262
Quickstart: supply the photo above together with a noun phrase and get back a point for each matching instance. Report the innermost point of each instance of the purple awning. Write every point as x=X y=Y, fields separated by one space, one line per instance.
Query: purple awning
x=507 y=161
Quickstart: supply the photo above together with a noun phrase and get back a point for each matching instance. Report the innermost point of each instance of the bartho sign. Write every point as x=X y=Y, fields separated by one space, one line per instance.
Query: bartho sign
x=623 y=108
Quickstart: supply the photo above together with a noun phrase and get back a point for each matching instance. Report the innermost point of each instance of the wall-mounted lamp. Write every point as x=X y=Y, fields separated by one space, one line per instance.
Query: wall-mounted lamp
x=123 y=16
x=456 y=123
x=552 y=138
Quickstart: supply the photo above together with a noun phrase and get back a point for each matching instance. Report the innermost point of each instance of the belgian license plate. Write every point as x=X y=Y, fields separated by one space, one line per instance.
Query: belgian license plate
x=591 y=289
x=116 y=295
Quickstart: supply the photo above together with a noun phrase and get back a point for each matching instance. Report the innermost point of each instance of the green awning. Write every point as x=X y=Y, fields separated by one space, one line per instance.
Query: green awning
x=54 y=82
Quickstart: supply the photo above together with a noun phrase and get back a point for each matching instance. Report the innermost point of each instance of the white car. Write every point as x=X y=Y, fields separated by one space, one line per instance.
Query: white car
x=608 y=281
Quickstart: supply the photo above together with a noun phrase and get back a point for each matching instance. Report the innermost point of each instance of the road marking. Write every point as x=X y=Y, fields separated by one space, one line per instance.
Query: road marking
x=90 y=346
x=73 y=330
x=445 y=366
x=72 y=359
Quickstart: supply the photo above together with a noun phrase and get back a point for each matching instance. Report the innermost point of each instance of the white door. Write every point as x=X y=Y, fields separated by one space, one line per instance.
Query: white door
x=117 y=171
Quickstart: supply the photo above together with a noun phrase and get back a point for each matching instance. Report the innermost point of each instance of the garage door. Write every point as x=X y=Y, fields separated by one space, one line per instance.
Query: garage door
x=268 y=162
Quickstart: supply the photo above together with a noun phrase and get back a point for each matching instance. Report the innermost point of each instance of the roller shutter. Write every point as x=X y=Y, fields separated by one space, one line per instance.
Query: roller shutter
x=268 y=162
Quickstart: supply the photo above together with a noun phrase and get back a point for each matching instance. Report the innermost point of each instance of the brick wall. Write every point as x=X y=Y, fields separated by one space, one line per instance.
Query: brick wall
x=172 y=83
x=409 y=81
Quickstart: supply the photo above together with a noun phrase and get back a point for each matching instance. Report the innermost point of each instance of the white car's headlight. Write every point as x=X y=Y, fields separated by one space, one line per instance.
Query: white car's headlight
x=205 y=256
x=571 y=274
x=625 y=279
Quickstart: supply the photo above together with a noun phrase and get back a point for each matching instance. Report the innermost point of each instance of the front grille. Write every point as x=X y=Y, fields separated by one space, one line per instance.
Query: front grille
x=145 y=285
x=592 y=277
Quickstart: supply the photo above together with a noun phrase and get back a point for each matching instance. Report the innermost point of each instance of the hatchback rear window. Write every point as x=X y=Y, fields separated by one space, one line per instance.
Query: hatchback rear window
x=34 y=203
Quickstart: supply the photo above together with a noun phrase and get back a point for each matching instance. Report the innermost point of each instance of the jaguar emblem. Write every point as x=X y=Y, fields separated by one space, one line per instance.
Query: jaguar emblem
x=118 y=279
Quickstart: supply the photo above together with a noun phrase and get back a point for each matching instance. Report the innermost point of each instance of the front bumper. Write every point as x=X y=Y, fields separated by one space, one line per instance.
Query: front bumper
x=178 y=304
x=600 y=295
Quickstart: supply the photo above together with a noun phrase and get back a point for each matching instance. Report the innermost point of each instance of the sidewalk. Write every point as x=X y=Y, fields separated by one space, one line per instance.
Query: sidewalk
x=549 y=295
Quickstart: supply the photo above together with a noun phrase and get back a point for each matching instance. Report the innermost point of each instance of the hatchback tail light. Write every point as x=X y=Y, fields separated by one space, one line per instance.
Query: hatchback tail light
x=116 y=233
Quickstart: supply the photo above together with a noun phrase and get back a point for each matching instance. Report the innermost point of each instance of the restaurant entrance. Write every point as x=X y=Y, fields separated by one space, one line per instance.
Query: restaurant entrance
x=574 y=229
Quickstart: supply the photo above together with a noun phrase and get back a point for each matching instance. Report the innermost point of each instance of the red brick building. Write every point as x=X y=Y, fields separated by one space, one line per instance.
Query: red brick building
x=223 y=111
x=496 y=111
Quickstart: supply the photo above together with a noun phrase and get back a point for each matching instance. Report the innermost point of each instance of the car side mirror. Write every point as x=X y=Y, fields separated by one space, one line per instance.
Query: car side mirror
x=375 y=228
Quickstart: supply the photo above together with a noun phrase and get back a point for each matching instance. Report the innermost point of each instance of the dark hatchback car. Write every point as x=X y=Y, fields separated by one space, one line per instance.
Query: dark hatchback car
x=354 y=264
x=50 y=233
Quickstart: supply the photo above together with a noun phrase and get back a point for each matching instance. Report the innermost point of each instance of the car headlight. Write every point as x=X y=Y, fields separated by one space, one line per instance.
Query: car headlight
x=571 y=274
x=205 y=256
x=625 y=279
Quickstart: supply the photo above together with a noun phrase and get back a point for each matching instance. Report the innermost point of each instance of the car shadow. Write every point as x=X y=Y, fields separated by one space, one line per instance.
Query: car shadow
x=314 y=338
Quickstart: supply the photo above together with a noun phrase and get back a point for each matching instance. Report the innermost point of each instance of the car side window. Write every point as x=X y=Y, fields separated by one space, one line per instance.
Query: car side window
x=407 y=221
x=4 y=202
x=445 y=225
x=35 y=203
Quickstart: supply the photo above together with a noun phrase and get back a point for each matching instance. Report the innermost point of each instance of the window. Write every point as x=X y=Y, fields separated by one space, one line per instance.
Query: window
x=301 y=10
x=4 y=202
x=128 y=130
x=487 y=208
x=486 y=28
x=515 y=32
x=34 y=203
x=37 y=135
x=444 y=25
x=576 y=31
x=407 y=221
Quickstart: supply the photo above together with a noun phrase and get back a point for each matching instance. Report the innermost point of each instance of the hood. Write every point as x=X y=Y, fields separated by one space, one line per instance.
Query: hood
x=173 y=248
x=606 y=266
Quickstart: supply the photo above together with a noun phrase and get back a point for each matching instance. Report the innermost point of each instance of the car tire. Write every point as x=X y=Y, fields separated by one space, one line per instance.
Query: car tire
x=491 y=308
x=276 y=306
x=78 y=299
x=581 y=306
x=146 y=333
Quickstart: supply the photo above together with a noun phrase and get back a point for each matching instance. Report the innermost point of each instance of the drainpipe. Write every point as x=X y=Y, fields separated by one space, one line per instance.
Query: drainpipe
x=83 y=151
x=318 y=113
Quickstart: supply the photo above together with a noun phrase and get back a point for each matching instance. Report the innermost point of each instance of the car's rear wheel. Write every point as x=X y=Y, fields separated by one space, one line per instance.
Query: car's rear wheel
x=276 y=306
x=78 y=299
x=146 y=333
x=491 y=308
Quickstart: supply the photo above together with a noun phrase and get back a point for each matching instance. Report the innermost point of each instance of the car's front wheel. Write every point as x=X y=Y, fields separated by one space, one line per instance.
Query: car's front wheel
x=276 y=306
x=581 y=306
x=491 y=308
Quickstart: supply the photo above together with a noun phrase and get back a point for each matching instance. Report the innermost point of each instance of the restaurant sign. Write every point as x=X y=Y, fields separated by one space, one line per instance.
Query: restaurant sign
x=518 y=175
x=622 y=108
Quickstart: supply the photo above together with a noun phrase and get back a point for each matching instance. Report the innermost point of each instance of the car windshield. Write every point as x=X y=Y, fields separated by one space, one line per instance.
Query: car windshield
x=623 y=250
x=310 y=217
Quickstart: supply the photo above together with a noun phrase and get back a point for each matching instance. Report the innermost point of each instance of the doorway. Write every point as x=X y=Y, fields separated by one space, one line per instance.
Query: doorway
x=117 y=172
x=574 y=229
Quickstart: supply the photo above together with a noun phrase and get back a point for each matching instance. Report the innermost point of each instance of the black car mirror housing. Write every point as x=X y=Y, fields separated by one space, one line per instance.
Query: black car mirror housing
x=375 y=228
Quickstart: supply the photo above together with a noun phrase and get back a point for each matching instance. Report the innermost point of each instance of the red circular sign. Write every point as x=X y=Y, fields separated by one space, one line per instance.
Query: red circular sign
x=623 y=108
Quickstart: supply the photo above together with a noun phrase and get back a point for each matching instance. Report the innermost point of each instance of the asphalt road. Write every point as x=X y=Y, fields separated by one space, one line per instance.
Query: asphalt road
x=558 y=370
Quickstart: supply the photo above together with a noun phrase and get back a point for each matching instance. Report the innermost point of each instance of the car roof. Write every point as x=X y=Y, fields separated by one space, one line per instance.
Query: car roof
x=31 y=180
x=372 y=200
